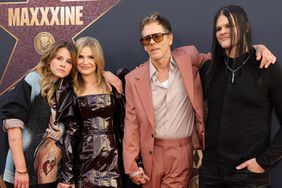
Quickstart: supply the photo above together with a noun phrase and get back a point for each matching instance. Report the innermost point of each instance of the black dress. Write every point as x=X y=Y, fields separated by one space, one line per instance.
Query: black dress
x=97 y=147
x=93 y=139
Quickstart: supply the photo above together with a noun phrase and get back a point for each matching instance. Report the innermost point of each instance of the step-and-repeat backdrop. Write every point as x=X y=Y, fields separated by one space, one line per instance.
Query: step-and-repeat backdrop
x=28 y=27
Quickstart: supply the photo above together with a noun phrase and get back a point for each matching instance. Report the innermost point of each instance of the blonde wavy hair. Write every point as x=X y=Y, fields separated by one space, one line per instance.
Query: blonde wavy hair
x=47 y=86
x=99 y=60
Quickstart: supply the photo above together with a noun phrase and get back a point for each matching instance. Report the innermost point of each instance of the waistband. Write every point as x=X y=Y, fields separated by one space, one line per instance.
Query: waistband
x=173 y=142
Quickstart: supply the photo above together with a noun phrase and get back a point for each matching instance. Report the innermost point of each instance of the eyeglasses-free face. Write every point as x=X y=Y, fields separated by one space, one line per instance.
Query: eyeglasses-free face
x=157 y=37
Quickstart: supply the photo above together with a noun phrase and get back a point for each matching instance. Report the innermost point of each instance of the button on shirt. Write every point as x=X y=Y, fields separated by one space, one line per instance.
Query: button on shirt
x=173 y=111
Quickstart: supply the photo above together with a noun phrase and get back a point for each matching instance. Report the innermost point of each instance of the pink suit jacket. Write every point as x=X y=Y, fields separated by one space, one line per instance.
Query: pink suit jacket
x=139 y=119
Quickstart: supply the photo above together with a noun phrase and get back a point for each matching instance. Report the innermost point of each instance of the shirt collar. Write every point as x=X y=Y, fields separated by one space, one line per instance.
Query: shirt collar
x=153 y=71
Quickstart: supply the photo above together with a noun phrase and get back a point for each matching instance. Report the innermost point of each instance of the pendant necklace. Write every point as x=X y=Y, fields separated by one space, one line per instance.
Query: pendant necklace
x=234 y=70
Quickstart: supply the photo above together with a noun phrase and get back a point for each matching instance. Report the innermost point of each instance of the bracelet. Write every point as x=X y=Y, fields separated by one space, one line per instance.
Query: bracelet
x=21 y=172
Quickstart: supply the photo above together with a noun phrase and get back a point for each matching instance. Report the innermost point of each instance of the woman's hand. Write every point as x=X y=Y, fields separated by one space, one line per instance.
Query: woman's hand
x=21 y=179
x=139 y=177
x=64 y=185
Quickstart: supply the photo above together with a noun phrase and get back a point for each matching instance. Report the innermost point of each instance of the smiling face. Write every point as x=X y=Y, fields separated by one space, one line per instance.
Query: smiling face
x=224 y=35
x=61 y=64
x=85 y=62
x=161 y=51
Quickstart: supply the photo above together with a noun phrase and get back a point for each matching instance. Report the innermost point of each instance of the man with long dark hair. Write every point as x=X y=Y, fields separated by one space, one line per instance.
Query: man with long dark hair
x=240 y=98
x=164 y=109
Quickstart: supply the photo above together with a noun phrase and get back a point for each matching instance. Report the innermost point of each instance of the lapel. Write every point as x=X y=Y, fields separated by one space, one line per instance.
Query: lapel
x=143 y=88
x=184 y=64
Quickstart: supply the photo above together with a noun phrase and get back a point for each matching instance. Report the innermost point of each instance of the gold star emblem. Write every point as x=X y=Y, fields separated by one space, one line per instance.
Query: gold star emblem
x=30 y=26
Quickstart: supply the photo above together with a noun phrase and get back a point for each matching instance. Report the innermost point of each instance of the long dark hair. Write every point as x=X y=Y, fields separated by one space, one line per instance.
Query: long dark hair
x=238 y=20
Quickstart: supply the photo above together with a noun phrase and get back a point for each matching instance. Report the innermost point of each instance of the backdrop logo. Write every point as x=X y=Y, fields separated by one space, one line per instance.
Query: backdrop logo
x=42 y=42
x=28 y=28
x=40 y=16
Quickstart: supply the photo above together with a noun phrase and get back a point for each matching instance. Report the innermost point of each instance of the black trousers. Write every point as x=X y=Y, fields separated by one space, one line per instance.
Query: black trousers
x=239 y=179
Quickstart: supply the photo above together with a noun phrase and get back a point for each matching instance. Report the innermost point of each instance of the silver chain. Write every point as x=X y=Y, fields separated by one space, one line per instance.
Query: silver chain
x=234 y=70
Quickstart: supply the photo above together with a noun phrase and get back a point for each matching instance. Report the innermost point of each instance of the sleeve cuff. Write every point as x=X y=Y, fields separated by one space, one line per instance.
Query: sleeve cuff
x=12 y=123
x=263 y=162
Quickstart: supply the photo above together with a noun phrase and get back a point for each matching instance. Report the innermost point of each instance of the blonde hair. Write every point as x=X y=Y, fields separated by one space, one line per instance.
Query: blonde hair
x=155 y=17
x=47 y=86
x=99 y=60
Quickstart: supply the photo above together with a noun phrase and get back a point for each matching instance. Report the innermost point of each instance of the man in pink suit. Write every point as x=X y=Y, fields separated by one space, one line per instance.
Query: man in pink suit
x=164 y=109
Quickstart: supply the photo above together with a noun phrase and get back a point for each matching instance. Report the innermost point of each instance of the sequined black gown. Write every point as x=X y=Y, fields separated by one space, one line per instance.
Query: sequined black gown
x=94 y=127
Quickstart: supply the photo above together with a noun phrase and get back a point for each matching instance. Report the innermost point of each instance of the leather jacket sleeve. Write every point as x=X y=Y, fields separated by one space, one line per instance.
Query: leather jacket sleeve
x=65 y=99
x=119 y=117
x=120 y=107
x=67 y=173
x=68 y=115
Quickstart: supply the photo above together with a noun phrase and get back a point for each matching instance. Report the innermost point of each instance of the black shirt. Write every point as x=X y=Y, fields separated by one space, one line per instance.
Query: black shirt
x=239 y=116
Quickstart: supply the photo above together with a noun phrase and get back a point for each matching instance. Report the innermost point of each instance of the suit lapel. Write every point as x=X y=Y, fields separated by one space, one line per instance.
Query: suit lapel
x=143 y=88
x=186 y=73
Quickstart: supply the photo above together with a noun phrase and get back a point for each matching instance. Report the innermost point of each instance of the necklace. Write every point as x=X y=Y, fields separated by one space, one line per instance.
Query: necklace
x=234 y=70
